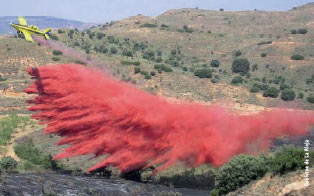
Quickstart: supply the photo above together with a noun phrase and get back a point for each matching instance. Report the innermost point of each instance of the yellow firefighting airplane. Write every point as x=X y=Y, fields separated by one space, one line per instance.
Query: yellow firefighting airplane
x=24 y=29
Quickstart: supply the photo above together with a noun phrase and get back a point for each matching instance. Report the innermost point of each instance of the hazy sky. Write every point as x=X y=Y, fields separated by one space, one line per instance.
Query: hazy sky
x=106 y=10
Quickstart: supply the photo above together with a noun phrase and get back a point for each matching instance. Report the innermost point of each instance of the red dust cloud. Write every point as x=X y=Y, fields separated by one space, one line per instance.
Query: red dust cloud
x=98 y=115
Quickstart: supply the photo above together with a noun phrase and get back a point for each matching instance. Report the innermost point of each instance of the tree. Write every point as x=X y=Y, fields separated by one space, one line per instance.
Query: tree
x=214 y=63
x=100 y=35
x=239 y=171
x=271 y=92
x=203 y=73
x=288 y=159
x=288 y=95
x=310 y=98
x=241 y=66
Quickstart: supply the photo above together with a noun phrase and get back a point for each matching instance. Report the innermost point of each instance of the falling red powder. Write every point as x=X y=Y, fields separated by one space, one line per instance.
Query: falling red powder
x=97 y=114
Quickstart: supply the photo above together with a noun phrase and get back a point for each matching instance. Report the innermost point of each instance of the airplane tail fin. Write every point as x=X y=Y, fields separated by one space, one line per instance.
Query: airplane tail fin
x=47 y=33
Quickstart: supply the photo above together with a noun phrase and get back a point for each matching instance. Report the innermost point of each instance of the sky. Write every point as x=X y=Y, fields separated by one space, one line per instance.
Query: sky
x=100 y=11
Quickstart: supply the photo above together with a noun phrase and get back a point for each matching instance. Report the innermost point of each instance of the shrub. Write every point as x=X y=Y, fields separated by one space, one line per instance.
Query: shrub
x=294 y=31
x=239 y=171
x=238 y=53
x=57 y=52
x=310 y=98
x=187 y=29
x=254 y=89
x=271 y=92
x=302 y=31
x=237 y=80
x=214 y=63
x=300 y=95
x=263 y=54
x=150 y=55
x=264 y=42
x=79 y=62
x=55 y=58
x=149 y=25
x=241 y=66
x=163 y=67
x=137 y=70
x=297 y=57
x=127 y=53
x=8 y=163
x=54 y=37
x=27 y=151
x=203 y=73
x=100 y=35
x=288 y=95
x=60 y=31
x=148 y=77
x=152 y=73
x=284 y=86
x=113 y=50
x=288 y=159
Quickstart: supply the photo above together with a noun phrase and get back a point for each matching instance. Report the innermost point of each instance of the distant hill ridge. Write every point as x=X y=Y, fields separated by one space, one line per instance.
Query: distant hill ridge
x=41 y=22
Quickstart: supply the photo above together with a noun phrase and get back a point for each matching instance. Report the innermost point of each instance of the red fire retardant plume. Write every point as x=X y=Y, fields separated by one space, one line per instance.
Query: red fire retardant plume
x=97 y=114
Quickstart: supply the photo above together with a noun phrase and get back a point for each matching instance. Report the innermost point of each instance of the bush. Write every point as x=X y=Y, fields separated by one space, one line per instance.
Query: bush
x=137 y=70
x=310 y=98
x=127 y=53
x=214 y=63
x=54 y=37
x=288 y=95
x=254 y=89
x=271 y=92
x=55 y=58
x=57 y=52
x=60 y=31
x=113 y=50
x=284 y=86
x=187 y=29
x=297 y=57
x=203 y=73
x=294 y=31
x=100 y=35
x=302 y=31
x=300 y=95
x=238 y=53
x=288 y=159
x=149 y=25
x=8 y=163
x=162 y=67
x=148 y=77
x=241 y=66
x=27 y=151
x=263 y=54
x=149 y=55
x=237 y=80
x=152 y=73
x=238 y=172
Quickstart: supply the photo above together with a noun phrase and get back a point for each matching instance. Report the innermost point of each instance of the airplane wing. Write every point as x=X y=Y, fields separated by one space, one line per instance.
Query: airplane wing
x=28 y=36
x=22 y=21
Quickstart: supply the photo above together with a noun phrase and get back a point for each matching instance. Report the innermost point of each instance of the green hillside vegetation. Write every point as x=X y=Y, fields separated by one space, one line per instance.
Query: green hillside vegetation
x=258 y=53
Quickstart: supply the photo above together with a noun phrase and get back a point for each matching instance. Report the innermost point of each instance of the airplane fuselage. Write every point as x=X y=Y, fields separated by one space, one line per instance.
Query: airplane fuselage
x=26 y=28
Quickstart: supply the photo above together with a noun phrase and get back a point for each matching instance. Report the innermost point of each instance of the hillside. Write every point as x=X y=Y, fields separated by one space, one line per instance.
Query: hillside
x=42 y=22
x=188 y=40
x=184 y=54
